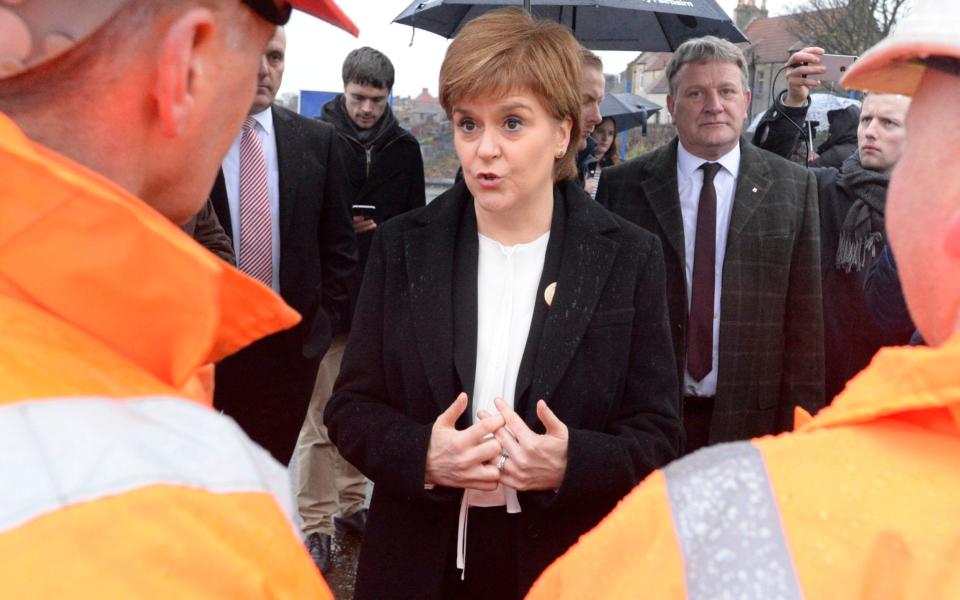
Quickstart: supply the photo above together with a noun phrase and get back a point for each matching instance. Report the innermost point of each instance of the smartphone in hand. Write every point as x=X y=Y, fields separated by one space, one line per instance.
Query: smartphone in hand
x=367 y=211
x=836 y=66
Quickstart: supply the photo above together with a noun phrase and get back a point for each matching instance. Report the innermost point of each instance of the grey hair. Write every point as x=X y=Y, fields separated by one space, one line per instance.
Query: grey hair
x=704 y=50
x=366 y=66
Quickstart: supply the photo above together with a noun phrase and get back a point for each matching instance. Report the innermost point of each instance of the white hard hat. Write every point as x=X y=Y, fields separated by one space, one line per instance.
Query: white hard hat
x=34 y=31
x=929 y=36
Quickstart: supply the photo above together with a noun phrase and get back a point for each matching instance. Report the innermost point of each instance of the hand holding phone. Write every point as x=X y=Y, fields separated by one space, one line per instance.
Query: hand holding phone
x=803 y=69
x=367 y=211
x=363 y=217
x=835 y=66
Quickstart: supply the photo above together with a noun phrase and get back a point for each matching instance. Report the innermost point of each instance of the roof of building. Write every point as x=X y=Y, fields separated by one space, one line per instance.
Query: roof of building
x=662 y=86
x=654 y=60
x=772 y=39
x=425 y=97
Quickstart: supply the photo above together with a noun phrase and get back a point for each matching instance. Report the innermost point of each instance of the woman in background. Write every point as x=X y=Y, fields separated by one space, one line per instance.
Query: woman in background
x=606 y=154
x=509 y=375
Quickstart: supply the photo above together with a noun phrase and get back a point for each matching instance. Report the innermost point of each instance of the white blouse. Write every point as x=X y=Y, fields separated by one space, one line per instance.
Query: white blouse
x=507 y=281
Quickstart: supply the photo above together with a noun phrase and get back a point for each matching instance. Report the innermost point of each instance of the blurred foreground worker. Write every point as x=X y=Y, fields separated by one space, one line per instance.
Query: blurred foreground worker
x=119 y=480
x=862 y=501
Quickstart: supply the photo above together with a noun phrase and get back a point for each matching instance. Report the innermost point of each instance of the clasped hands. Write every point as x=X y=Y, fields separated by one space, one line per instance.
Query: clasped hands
x=497 y=449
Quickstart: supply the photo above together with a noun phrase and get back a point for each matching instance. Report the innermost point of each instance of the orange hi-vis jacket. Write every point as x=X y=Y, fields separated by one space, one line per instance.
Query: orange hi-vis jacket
x=117 y=478
x=861 y=502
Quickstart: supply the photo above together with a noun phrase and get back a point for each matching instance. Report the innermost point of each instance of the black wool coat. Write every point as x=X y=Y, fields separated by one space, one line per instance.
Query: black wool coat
x=851 y=334
x=601 y=357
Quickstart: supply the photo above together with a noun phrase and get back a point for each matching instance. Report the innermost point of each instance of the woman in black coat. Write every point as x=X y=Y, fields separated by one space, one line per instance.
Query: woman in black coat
x=510 y=370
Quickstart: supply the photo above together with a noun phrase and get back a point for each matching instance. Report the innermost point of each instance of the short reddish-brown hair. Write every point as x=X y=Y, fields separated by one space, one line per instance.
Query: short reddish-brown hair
x=506 y=50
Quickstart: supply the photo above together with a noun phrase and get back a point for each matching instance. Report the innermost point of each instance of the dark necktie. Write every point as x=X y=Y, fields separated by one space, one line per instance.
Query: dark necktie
x=700 y=326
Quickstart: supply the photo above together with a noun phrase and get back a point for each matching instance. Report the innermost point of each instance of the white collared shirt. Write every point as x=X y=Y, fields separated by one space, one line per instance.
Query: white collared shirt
x=231 y=177
x=507 y=282
x=689 y=183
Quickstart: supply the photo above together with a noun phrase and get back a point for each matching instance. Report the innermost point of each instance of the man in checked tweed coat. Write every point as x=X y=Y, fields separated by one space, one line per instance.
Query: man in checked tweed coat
x=764 y=355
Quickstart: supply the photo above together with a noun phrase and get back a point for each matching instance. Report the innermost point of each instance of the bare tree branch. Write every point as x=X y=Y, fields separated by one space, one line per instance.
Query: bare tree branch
x=846 y=26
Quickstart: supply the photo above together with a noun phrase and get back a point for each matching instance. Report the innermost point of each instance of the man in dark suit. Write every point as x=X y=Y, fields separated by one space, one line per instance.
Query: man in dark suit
x=280 y=198
x=740 y=235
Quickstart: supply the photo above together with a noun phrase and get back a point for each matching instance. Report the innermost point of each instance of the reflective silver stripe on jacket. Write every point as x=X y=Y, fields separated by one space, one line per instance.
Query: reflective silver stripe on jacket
x=729 y=527
x=59 y=452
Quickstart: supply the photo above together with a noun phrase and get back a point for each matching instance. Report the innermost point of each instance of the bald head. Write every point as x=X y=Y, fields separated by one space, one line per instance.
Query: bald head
x=179 y=75
x=270 y=75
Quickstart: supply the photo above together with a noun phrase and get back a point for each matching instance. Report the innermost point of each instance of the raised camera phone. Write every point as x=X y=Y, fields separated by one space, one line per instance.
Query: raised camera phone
x=836 y=65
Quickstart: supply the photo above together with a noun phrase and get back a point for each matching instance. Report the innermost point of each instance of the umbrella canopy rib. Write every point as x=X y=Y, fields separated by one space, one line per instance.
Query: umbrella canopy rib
x=632 y=25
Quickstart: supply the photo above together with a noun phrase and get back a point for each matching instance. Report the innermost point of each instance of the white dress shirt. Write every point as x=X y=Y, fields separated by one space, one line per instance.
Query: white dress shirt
x=507 y=282
x=231 y=177
x=689 y=183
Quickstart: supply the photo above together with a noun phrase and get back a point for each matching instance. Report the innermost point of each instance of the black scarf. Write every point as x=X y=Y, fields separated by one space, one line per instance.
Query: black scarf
x=335 y=112
x=862 y=229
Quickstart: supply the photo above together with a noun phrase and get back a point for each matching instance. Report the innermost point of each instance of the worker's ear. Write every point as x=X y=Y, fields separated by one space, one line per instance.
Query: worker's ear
x=951 y=238
x=181 y=62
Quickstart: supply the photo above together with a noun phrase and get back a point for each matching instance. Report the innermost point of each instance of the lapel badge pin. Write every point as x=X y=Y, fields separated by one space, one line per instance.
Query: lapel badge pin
x=754 y=190
x=549 y=292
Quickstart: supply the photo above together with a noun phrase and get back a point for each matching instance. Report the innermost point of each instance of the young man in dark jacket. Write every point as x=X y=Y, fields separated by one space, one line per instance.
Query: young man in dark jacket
x=384 y=171
x=852 y=202
x=382 y=160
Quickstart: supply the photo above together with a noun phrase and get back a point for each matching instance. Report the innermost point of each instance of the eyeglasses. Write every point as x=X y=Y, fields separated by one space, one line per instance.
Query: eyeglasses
x=277 y=13
x=945 y=64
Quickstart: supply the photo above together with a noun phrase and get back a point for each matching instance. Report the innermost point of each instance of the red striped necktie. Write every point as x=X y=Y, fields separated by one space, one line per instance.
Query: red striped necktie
x=256 y=248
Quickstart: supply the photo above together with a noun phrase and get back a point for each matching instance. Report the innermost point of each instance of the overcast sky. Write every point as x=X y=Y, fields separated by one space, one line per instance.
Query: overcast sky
x=315 y=50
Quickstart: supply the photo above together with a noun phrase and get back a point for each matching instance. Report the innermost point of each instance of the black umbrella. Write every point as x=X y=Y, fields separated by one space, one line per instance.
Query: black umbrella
x=633 y=25
x=628 y=110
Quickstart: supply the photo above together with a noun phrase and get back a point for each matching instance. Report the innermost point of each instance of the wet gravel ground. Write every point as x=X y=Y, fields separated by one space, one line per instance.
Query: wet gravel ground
x=346 y=549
